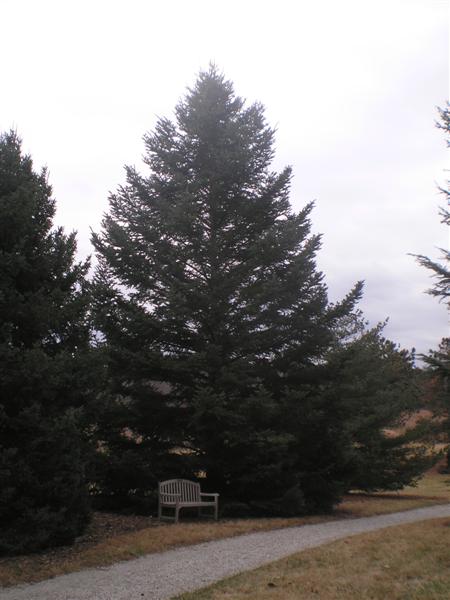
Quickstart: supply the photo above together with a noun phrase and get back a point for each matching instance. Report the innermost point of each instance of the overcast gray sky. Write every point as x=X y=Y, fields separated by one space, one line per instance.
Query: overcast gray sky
x=351 y=85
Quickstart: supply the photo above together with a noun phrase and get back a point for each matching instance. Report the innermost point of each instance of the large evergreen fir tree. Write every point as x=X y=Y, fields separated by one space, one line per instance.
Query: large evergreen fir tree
x=213 y=309
x=44 y=382
x=438 y=361
x=216 y=319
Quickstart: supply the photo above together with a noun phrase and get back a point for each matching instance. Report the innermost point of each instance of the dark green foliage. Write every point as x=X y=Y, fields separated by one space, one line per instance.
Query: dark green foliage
x=216 y=320
x=438 y=371
x=140 y=423
x=207 y=282
x=377 y=389
x=43 y=499
x=44 y=383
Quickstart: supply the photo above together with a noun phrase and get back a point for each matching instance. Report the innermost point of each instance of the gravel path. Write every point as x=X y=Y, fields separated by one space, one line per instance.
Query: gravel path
x=161 y=576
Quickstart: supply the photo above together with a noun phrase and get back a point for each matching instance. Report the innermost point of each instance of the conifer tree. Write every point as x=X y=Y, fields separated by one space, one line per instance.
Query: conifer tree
x=438 y=361
x=375 y=384
x=44 y=343
x=441 y=270
x=214 y=313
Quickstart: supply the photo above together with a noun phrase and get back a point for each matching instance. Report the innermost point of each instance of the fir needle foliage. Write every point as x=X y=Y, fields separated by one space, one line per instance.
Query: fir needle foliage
x=216 y=318
x=44 y=348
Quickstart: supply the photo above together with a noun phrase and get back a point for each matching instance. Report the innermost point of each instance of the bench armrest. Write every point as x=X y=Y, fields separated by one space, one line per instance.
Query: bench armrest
x=215 y=495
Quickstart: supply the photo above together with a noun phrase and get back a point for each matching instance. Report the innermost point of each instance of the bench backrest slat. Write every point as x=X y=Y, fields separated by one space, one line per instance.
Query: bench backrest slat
x=188 y=490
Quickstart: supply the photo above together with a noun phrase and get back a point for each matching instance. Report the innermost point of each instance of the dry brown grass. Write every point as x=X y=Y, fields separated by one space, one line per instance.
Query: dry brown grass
x=433 y=488
x=112 y=538
x=408 y=562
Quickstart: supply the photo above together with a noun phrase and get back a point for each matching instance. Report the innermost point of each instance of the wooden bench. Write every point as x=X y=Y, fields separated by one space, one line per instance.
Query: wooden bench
x=182 y=493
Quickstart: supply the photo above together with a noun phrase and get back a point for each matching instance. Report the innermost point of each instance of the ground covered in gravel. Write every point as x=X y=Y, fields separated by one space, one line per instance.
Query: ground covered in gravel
x=162 y=576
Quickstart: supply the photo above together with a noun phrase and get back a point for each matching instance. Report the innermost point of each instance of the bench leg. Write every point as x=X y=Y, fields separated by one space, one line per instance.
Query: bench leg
x=159 y=511
x=216 y=511
x=177 y=513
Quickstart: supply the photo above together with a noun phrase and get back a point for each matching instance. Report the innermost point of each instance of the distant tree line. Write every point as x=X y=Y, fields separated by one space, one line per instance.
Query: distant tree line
x=203 y=346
